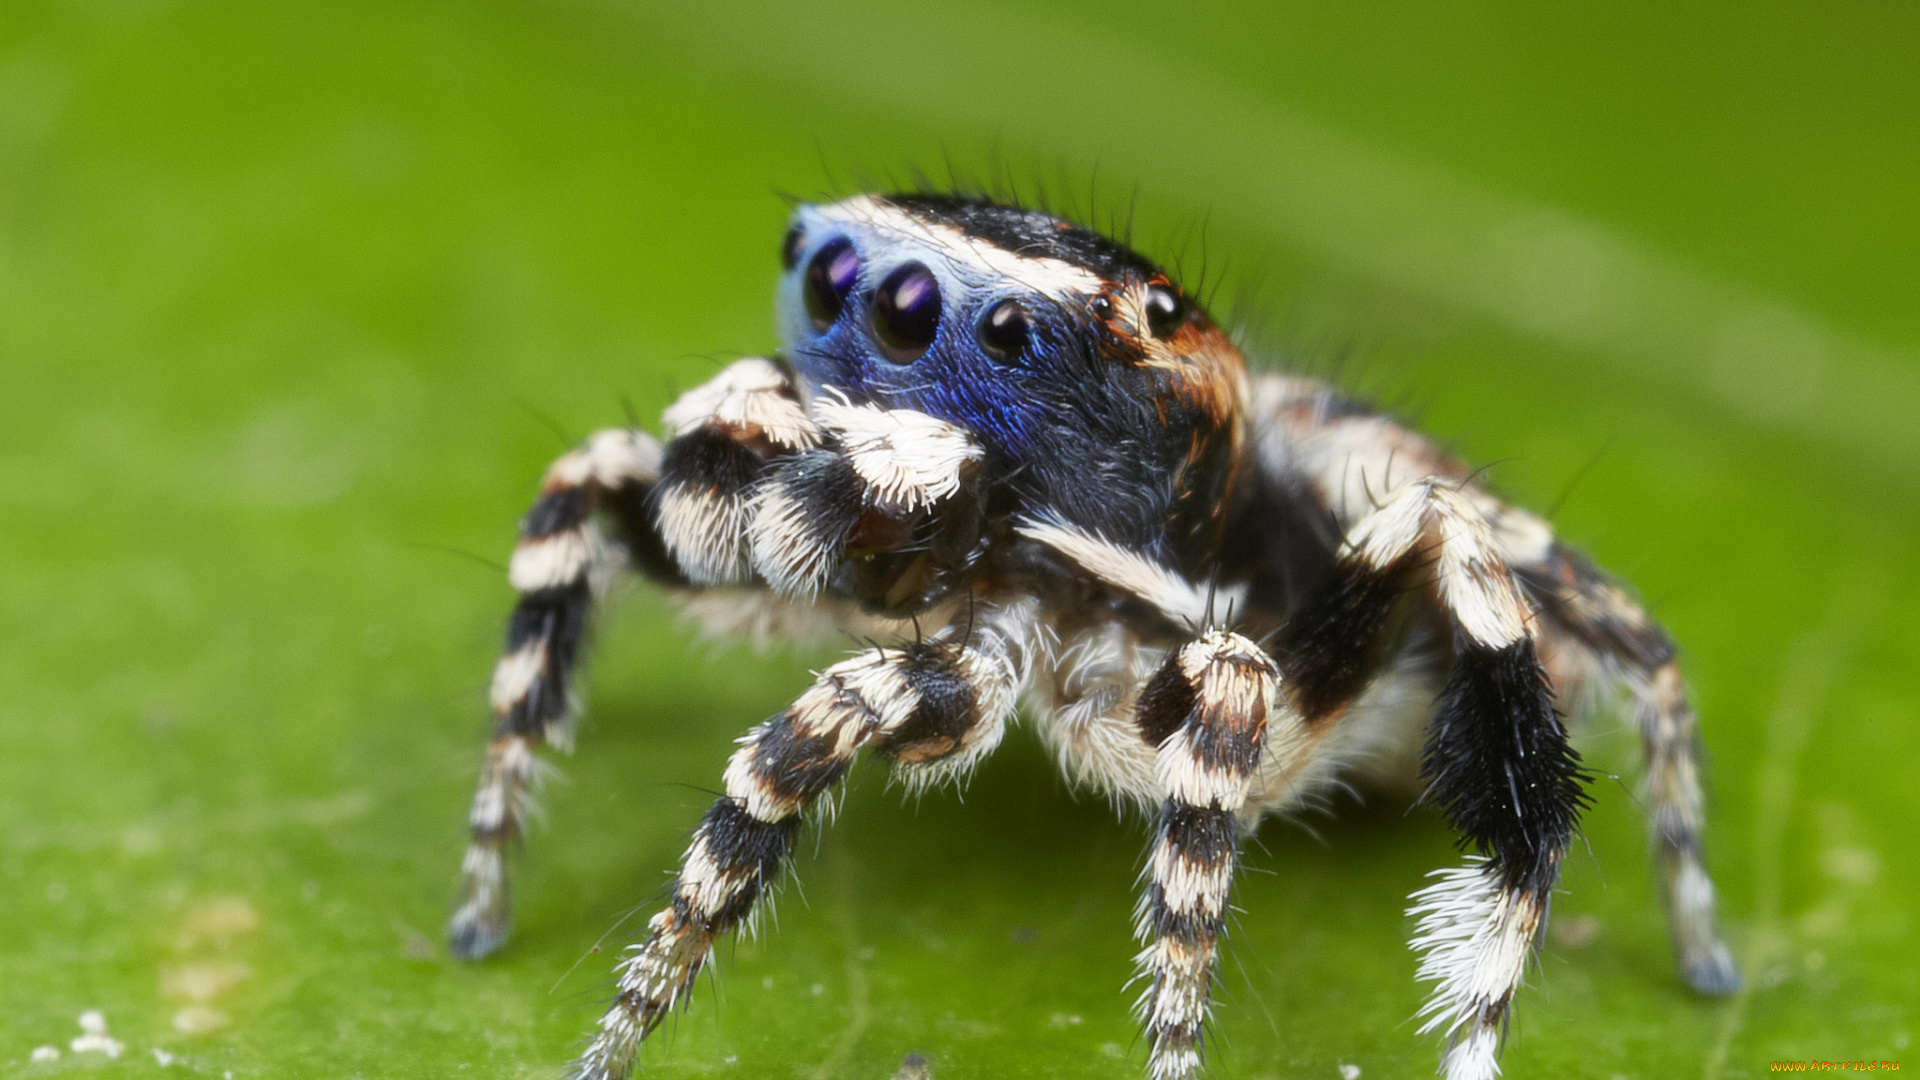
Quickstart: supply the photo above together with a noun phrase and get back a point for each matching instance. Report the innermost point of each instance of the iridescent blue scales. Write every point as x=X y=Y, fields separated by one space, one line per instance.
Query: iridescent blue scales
x=1015 y=454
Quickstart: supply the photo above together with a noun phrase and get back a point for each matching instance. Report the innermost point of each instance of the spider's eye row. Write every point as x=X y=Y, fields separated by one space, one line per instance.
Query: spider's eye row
x=790 y=248
x=1166 y=310
x=1004 y=329
x=906 y=312
x=830 y=277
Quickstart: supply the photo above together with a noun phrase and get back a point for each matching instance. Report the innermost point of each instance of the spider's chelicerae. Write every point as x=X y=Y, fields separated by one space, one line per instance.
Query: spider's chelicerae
x=1218 y=592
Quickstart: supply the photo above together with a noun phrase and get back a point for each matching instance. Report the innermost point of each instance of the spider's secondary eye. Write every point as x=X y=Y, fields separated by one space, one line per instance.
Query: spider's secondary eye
x=906 y=312
x=790 y=249
x=1166 y=310
x=1004 y=329
x=830 y=277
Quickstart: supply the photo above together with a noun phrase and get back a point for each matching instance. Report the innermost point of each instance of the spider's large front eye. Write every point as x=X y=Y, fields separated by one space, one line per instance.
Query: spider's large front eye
x=1004 y=329
x=830 y=277
x=906 y=312
x=1166 y=310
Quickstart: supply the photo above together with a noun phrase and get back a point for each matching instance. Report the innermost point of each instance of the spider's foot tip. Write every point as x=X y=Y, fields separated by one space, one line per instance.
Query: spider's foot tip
x=471 y=940
x=1713 y=972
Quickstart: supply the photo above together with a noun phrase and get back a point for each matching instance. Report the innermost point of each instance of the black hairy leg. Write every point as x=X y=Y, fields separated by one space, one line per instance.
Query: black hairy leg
x=945 y=699
x=1497 y=762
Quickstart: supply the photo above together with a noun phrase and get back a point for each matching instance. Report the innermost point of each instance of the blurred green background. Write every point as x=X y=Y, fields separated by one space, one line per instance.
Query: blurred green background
x=297 y=300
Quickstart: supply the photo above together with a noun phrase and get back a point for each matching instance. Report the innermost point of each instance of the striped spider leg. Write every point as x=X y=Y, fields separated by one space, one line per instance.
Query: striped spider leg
x=1194 y=742
x=1233 y=726
x=889 y=485
x=1596 y=638
x=1212 y=712
x=932 y=709
x=1537 y=625
x=678 y=515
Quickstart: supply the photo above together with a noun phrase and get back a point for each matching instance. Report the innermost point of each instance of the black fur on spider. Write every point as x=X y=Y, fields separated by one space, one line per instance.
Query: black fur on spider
x=1027 y=440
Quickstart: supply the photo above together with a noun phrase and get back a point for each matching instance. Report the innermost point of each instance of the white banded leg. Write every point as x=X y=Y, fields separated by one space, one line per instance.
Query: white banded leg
x=1599 y=637
x=747 y=412
x=918 y=705
x=556 y=565
x=1212 y=710
x=1676 y=803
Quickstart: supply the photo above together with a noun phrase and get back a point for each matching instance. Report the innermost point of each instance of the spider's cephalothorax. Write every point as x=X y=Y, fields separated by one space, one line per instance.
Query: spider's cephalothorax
x=1019 y=455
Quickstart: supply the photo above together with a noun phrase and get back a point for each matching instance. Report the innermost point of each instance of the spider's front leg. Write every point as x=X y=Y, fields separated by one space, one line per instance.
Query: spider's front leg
x=931 y=708
x=680 y=515
x=1497 y=759
x=887 y=510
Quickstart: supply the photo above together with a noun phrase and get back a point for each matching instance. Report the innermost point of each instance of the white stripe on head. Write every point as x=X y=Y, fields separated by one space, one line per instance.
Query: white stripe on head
x=1055 y=278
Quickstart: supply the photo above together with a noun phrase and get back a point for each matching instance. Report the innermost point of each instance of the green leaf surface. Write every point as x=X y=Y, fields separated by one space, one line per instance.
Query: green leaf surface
x=297 y=300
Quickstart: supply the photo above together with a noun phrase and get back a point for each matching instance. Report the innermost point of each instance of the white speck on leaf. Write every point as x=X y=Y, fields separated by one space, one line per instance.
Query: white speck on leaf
x=95 y=1039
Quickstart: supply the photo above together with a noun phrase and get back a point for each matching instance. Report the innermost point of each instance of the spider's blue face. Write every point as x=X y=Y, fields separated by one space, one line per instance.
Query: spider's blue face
x=1013 y=324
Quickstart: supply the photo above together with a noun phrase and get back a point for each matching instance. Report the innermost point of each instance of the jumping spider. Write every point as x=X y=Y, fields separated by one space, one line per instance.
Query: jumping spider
x=1018 y=454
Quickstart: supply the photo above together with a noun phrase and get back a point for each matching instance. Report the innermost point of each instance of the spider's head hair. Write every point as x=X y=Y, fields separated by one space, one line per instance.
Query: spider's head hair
x=1008 y=321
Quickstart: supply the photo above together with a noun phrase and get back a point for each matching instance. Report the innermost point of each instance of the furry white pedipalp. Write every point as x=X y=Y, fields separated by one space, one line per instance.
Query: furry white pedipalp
x=909 y=460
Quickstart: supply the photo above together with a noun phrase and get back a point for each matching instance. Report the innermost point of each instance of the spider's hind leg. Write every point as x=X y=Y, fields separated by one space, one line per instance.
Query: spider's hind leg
x=1497 y=760
x=1597 y=636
